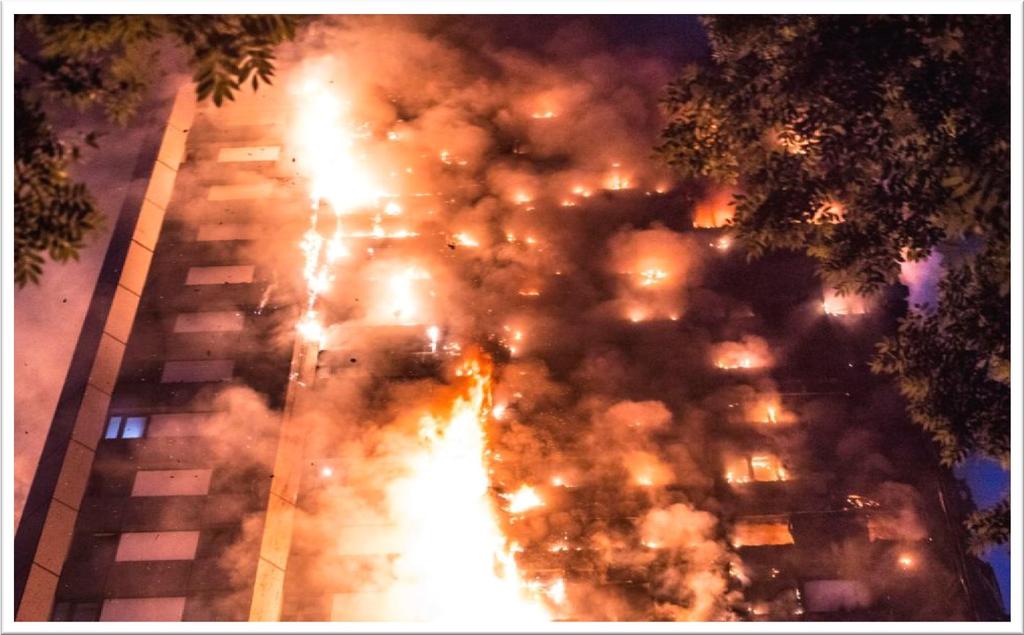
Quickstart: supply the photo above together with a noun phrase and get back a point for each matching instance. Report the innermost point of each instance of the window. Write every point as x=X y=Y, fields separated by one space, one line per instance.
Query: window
x=197 y=371
x=113 y=428
x=240 y=192
x=368 y=540
x=827 y=596
x=75 y=612
x=226 y=231
x=762 y=467
x=132 y=428
x=209 y=322
x=179 y=424
x=227 y=274
x=167 y=609
x=767 y=467
x=762 y=530
x=171 y=483
x=157 y=545
x=254 y=153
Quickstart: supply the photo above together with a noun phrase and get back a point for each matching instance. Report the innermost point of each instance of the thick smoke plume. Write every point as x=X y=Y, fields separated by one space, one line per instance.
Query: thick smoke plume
x=458 y=193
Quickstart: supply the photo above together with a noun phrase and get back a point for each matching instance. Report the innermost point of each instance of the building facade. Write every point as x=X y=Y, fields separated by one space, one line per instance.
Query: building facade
x=140 y=511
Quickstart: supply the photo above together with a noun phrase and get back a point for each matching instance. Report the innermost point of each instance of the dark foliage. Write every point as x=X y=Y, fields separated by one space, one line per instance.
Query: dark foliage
x=106 y=62
x=868 y=141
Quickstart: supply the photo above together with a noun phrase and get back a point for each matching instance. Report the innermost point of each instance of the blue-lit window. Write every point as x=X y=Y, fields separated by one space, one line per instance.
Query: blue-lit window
x=126 y=428
x=113 y=428
x=134 y=428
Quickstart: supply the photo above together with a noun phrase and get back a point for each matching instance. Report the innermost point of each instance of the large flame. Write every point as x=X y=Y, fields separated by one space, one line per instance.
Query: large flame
x=326 y=145
x=454 y=563
x=455 y=555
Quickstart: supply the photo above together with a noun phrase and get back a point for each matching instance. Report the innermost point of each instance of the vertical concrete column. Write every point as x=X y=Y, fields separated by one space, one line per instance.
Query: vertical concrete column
x=279 y=523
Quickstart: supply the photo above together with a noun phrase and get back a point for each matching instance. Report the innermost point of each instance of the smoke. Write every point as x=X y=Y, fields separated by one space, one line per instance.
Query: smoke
x=655 y=266
x=751 y=351
x=693 y=583
x=922 y=278
x=439 y=192
x=488 y=163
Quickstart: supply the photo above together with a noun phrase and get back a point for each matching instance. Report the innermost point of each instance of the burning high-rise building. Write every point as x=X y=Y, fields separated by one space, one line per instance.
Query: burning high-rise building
x=403 y=340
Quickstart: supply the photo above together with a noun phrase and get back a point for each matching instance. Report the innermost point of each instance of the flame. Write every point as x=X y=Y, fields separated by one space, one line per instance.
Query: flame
x=455 y=555
x=515 y=335
x=325 y=144
x=750 y=353
x=767 y=467
x=465 y=240
x=831 y=212
x=840 y=305
x=523 y=499
x=722 y=244
x=616 y=181
x=651 y=277
x=906 y=561
x=580 y=190
x=309 y=327
x=453 y=550
x=637 y=315
x=400 y=303
x=714 y=211
x=732 y=363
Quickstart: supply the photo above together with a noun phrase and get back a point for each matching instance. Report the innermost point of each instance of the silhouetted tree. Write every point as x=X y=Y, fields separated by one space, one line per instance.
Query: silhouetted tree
x=106 y=62
x=866 y=142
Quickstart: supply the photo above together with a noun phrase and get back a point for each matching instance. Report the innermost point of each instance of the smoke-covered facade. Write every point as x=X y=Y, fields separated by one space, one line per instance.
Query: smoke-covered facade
x=428 y=334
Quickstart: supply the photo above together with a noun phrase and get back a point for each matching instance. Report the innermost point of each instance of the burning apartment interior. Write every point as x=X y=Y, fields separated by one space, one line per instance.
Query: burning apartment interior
x=431 y=337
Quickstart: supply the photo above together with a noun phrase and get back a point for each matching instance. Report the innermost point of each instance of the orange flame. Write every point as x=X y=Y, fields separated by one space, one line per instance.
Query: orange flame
x=455 y=555
x=523 y=499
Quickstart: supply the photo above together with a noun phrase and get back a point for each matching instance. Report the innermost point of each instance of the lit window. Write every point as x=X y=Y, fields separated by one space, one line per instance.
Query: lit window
x=113 y=428
x=134 y=427
x=759 y=467
x=762 y=530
